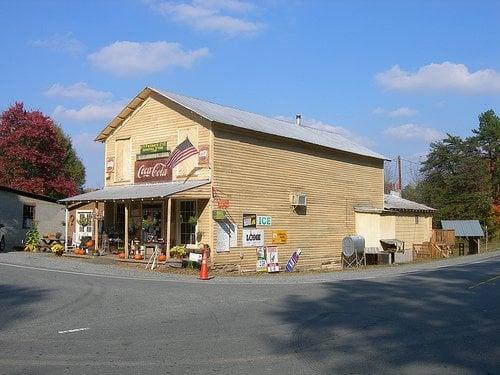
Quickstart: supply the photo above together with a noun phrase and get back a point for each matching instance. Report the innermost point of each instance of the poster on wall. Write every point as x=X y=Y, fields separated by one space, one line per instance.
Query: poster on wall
x=203 y=155
x=261 y=265
x=227 y=233
x=252 y=237
x=249 y=220
x=280 y=236
x=272 y=259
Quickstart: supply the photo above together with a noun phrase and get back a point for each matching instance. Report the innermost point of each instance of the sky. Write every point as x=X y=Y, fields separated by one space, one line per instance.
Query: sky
x=391 y=75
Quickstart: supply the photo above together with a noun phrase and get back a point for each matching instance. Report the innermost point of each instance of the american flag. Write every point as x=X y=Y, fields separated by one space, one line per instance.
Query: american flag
x=183 y=151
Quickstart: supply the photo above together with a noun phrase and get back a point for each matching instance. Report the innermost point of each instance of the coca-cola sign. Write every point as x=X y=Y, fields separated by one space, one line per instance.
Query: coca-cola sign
x=152 y=170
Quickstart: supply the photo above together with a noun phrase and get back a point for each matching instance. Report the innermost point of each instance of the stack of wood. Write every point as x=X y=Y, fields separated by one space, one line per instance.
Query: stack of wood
x=441 y=245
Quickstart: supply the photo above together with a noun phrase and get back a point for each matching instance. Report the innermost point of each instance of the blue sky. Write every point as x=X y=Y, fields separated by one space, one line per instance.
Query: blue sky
x=393 y=75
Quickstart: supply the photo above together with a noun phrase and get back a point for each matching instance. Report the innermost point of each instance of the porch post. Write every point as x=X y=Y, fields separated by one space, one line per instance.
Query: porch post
x=66 y=229
x=169 y=218
x=126 y=230
x=96 y=223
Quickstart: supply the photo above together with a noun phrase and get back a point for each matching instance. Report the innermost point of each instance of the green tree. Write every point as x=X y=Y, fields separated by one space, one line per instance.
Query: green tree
x=455 y=181
x=488 y=141
x=73 y=166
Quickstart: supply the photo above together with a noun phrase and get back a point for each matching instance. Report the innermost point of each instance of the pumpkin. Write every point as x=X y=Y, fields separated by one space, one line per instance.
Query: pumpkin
x=138 y=257
x=162 y=258
x=121 y=255
x=89 y=243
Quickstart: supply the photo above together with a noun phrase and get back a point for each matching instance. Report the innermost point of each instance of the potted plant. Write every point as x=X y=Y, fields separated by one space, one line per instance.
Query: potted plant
x=32 y=239
x=57 y=249
x=147 y=224
x=192 y=220
x=178 y=252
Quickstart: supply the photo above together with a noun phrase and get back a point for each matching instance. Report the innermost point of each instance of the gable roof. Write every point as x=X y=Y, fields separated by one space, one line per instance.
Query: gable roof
x=396 y=203
x=464 y=228
x=28 y=194
x=217 y=113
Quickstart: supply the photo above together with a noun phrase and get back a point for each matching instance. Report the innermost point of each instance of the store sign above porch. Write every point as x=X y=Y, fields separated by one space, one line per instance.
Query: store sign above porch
x=153 y=148
x=152 y=170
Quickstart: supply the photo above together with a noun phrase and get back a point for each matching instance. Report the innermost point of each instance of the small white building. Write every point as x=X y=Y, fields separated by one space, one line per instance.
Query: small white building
x=400 y=219
x=20 y=210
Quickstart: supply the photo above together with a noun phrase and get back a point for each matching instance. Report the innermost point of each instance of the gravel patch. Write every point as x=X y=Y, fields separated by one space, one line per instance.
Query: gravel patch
x=108 y=267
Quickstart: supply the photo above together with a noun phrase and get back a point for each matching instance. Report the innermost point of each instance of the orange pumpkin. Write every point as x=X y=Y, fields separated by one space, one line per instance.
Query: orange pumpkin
x=89 y=243
x=121 y=255
x=138 y=257
x=162 y=258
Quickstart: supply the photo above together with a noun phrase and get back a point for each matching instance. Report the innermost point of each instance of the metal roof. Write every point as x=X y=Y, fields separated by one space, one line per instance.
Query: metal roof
x=464 y=228
x=395 y=202
x=247 y=120
x=136 y=191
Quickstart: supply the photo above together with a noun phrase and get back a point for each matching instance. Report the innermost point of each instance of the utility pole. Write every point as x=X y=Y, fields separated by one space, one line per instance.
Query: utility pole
x=400 y=184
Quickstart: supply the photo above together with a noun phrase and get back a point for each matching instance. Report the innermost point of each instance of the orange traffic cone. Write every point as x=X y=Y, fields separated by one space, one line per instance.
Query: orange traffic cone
x=204 y=267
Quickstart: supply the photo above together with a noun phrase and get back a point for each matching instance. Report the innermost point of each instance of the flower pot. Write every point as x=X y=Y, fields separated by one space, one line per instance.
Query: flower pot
x=162 y=258
x=121 y=255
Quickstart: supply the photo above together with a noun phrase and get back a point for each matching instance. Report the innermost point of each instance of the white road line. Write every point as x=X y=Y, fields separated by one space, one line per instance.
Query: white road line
x=74 y=330
x=485 y=282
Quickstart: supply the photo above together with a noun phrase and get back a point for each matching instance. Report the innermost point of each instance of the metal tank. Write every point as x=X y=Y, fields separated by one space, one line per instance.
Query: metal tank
x=352 y=245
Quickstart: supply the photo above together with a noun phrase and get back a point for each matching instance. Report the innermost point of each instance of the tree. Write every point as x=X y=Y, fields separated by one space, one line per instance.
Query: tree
x=488 y=140
x=36 y=156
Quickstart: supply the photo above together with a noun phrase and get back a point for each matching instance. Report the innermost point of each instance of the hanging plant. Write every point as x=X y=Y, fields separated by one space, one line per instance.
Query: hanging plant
x=85 y=221
x=192 y=220
x=147 y=224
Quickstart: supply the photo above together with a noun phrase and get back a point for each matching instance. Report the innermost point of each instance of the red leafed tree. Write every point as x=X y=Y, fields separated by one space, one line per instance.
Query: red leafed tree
x=33 y=153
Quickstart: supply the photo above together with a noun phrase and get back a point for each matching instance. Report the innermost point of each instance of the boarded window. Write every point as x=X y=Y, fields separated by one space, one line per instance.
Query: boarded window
x=123 y=156
x=28 y=216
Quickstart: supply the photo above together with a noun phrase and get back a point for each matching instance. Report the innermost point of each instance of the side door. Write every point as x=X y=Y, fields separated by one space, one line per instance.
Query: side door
x=83 y=224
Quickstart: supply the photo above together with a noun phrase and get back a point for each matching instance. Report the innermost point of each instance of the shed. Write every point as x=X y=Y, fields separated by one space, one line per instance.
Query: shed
x=468 y=229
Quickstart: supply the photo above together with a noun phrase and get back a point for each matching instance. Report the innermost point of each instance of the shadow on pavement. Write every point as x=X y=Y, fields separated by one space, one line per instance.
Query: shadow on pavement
x=438 y=321
x=16 y=303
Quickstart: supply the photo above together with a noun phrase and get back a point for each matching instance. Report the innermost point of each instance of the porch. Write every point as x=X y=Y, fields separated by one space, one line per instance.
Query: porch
x=136 y=219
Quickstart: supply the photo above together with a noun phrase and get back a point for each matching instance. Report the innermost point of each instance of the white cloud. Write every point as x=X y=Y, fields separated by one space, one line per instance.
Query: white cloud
x=134 y=57
x=89 y=112
x=84 y=142
x=413 y=132
x=210 y=15
x=79 y=90
x=316 y=124
x=61 y=43
x=399 y=112
x=447 y=76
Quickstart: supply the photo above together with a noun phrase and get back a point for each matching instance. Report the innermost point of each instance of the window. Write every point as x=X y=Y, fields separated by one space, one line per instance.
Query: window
x=28 y=216
x=188 y=219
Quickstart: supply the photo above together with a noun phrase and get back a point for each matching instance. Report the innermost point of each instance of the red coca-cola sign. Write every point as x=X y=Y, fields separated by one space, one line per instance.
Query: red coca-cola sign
x=152 y=170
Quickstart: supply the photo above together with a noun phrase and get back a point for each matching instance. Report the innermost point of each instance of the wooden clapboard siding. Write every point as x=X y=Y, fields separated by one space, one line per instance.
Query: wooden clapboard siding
x=155 y=121
x=411 y=233
x=257 y=173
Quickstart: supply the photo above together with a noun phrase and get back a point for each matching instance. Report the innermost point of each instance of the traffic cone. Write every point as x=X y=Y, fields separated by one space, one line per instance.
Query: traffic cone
x=204 y=267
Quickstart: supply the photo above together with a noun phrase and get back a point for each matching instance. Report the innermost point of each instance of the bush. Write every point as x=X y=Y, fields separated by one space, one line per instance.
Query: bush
x=32 y=239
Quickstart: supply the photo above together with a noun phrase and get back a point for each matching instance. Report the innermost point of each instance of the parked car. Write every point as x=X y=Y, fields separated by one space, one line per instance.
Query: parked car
x=2 y=237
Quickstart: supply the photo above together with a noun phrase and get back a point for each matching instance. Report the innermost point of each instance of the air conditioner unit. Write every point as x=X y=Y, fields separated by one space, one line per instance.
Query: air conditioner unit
x=299 y=200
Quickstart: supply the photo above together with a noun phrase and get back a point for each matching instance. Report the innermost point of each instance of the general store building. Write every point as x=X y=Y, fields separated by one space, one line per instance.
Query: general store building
x=254 y=181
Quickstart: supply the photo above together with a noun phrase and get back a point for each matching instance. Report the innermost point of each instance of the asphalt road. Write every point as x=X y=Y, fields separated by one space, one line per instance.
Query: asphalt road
x=427 y=322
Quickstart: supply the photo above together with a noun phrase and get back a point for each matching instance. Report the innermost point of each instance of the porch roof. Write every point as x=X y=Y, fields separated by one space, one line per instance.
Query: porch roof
x=137 y=191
